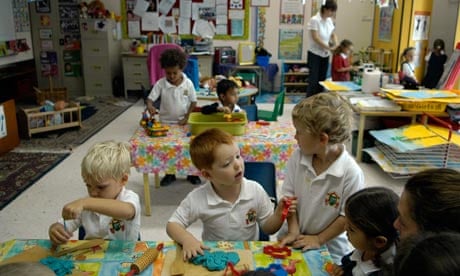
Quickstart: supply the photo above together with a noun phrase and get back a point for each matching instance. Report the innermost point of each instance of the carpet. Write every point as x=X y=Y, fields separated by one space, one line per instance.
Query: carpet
x=96 y=113
x=270 y=98
x=18 y=171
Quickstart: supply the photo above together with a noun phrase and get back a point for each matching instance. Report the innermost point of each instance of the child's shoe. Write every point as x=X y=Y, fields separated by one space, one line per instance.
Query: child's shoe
x=195 y=180
x=168 y=179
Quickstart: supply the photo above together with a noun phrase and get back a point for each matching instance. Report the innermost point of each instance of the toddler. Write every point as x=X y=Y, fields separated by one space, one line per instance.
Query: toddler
x=321 y=174
x=370 y=214
x=227 y=91
x=230 y=206
x=341 y=67
x=436 y=59
x=177 y=97
x=110 y=211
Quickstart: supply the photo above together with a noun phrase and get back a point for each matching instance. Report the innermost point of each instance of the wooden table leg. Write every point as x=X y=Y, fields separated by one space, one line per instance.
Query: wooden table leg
x=148 y=210
x=157 y=180
x=359 y=144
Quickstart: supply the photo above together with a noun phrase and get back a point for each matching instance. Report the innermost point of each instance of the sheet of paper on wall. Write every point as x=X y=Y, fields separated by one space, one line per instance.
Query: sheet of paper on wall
x=221 y=19
x=168 y=25
x=141 y=7
x=3 y=131
x=237 y=27
x=221 y=2
x=209 y=3
x=134 y=28
x=221 y=10
x=150 y=21
x=184 y=25
x=204 y=28
x=236 y=14
x=185 y=8
x=166 y=5
x=196 y=11
x=221 y=29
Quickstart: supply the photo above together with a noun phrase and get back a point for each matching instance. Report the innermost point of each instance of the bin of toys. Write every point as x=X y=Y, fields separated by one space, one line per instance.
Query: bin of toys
x=152 y=127
x=233 y=123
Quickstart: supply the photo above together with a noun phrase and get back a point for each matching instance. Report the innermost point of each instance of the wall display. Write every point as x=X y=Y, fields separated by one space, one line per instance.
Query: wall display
x=261 y=12
x=69 y=15
x=45 y=20
x=386 y=23
x=21 y=15
x=225 y=19
x=46 y=33
x=291 y=12
x=421 y=25
x=72 y=63
x=43 y=6
x=260 y=3
x=290 y=44
x=48 y=62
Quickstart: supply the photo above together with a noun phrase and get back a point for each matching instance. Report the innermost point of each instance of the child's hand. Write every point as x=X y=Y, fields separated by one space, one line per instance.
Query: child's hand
x=335 y=270
x=73 y=209
x=306 y=242
x=152 y=110
x=58 y=235
x=184 y=121
x=287 y=206
x=226 y=110
x=192 y=247
x=288 y=239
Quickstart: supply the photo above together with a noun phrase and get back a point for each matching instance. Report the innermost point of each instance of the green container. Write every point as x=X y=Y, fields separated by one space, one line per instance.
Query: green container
x=200 y=122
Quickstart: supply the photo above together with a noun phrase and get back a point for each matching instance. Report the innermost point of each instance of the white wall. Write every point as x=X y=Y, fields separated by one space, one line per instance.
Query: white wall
x=444 y=22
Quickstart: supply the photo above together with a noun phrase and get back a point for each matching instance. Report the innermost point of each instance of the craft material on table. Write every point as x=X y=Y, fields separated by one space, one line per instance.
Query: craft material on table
x=340 y=86
x=145 y=260
x=85 y=245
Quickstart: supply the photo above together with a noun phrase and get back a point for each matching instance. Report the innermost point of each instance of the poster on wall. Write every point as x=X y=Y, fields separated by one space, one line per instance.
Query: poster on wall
x=290 y=44
x=72 y=63
x=48 y=62
x=43 y=6
x=386 y=23
x=291 y=12
x=421 y=25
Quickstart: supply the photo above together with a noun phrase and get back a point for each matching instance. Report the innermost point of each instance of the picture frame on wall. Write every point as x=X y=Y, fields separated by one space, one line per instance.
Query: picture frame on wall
x=260 y=3
x=43 y=6
x=246 y=54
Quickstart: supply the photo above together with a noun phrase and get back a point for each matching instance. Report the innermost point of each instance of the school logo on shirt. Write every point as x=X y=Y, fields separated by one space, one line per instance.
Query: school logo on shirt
x=116 y=225
x=185 y=92
x=251 y=216
x=332 y=199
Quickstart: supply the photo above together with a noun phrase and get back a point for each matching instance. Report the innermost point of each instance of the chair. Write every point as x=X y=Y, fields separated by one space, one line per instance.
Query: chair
x=153 y=60
x=193 y=72
x=265 y=174
x=277 y=110
x=251 y=111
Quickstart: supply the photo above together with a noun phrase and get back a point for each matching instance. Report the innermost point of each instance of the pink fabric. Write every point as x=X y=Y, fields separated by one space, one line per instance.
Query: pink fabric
x=153 y=61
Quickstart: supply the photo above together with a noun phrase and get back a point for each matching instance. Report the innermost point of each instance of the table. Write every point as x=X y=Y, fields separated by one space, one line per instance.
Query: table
x=244 y=92
x=231 y=69
x=115 y=257
x=340 y=86
x=170 y=154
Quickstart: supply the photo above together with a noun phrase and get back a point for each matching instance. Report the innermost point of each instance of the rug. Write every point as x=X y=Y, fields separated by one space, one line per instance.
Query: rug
x=18 y=171
x=96 y=113
x=270 y=98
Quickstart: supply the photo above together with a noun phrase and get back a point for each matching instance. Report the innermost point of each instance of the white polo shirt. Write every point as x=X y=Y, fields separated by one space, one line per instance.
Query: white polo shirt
x=324 y=29
x=367 y=267
x=223 y=220
x=321 y=198
x=175 y=100
x=104 y=227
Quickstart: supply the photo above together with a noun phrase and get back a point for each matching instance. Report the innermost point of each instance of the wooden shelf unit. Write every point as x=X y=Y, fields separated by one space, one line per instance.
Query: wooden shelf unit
x=293 y=81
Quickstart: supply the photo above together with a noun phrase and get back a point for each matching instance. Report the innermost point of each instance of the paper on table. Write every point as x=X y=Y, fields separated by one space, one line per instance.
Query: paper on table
x=150 y=21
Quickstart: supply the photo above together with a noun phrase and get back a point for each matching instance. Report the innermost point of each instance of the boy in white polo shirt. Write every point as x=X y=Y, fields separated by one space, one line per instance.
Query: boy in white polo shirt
x=230 y=206
x=321 y=174
x=178 y=97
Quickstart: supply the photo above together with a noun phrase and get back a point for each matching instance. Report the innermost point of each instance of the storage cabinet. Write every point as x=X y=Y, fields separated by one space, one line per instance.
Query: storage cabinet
x=135 y=72
x=101 y=55
x=294 y=77
x=205 y=64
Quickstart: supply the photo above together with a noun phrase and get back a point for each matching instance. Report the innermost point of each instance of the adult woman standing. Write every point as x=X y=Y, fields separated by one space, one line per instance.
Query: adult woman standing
x=322 y=40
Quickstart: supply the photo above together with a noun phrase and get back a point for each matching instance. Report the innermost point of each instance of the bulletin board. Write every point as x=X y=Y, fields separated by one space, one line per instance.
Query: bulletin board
x=236 y=29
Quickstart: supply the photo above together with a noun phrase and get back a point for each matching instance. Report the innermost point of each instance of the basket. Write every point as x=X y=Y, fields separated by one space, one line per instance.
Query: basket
x=52 y=93
x=424 y=106
x=200 y=122
x=262 y=60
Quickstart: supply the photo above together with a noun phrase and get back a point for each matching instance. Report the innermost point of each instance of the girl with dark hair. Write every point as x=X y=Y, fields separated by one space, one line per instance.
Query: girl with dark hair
x=436 y=59
x=370 y=214
x=341 y=67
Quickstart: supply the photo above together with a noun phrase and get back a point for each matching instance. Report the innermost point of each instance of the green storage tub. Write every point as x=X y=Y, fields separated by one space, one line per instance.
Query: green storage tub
x=200 y=122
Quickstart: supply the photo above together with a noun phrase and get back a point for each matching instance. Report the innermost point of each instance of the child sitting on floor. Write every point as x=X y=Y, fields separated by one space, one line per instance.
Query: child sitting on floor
x=111 y=211
x=230 y=206
x=370 y=214
x=227 y=91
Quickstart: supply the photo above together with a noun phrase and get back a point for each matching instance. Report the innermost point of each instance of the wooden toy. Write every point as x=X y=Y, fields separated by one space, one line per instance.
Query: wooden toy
x=145 y=260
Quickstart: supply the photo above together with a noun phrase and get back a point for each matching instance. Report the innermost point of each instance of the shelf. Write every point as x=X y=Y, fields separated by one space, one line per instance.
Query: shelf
x=295 y=74
x=296 y=83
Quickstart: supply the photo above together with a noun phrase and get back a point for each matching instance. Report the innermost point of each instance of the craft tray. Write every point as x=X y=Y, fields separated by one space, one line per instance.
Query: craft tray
x=200 y=122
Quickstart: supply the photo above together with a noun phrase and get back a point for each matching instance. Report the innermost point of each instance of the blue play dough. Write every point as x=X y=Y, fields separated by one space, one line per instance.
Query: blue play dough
x=59 y=266
x=216 y=260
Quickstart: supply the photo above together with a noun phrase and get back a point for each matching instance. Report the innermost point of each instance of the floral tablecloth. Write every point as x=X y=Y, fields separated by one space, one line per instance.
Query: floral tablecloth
x=170 y=154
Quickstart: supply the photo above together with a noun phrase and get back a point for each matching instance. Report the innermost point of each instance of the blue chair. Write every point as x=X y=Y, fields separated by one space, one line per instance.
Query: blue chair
x=251 y=111
x=265 y=174
x=192 y=71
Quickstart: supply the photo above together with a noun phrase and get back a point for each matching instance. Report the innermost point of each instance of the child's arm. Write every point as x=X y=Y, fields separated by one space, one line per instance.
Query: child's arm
x=275 y=221
x=191 y=246
x=58 y=235
x=190 y=110
x=293 y=231
x=210 y=108
x=315 y=241
x=152 y=97
x=152 y=110
x=109 y=207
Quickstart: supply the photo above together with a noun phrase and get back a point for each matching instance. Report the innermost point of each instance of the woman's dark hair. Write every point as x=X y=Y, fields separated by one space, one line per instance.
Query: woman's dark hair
x=439 y=43
x=373 y=210
x=434 y=200
x=429 y=254
x=173 y=57
x=329 y=5
x=343 y=45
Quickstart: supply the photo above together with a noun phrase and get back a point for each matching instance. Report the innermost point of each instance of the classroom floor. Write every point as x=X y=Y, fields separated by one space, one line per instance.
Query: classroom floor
x=30 y=214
